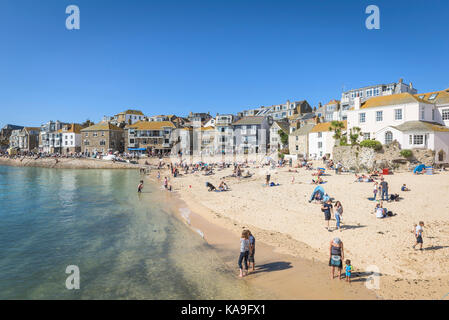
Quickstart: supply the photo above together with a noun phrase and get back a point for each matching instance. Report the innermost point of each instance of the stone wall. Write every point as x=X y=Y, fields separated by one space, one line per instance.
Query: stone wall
x=366 y=159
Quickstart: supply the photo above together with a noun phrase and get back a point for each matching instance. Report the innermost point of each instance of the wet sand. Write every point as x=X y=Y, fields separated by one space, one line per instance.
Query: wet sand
x=283 y=276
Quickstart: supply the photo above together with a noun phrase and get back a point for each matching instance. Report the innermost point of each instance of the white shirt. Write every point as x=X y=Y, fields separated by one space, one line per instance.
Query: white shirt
x=418 y=230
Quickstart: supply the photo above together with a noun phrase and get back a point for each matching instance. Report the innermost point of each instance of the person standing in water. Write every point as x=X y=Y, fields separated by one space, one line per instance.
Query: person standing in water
x=140 y=187
x=252 y=249
x=244 y=252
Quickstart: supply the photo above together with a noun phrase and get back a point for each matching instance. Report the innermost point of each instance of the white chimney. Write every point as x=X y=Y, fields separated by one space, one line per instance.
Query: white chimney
x=357 y=103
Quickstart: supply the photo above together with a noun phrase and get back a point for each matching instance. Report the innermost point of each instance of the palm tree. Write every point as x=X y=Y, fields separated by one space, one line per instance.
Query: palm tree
x=337 y=127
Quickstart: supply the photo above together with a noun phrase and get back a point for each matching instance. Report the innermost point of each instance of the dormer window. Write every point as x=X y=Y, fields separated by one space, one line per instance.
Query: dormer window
x=433 y=96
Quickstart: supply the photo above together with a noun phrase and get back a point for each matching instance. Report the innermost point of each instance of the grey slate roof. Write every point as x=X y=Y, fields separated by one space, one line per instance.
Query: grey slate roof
x=304 y=130
x=421 y=126
x=249 y=121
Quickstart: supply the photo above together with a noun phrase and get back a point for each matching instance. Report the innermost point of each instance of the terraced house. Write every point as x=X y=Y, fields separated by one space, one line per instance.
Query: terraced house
x=149 y=136
x=103 y=137
x=71 y=138
x=26 y=139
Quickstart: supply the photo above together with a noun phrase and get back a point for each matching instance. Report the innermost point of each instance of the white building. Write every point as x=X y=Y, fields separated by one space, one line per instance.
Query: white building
x=321 y=140
x=380 y=112
x=415 y=121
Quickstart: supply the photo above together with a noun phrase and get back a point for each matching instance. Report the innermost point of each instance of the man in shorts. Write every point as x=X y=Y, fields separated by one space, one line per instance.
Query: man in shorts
x=328 y=210
x=418 y=234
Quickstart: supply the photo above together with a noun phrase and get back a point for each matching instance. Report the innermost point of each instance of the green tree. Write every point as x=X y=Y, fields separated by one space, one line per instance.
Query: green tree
x=284 y=137
x=354 y=135
x=337 y=127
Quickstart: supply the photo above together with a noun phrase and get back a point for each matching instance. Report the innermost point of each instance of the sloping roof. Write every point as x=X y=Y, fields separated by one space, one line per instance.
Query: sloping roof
x=74 y=128
x=442 y=97
x=325 y=126
x=249 y=120
x=421 y=126
x=304 y=130
x=32 y=128
x=129 y=111
x=390 y=100
x=332 y=102
x=151 y=125
x=285 y=126
x=102 y=126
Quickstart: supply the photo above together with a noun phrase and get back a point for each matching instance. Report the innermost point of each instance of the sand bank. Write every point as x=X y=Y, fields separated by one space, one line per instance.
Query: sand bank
x=67 y=163
x=283 y=218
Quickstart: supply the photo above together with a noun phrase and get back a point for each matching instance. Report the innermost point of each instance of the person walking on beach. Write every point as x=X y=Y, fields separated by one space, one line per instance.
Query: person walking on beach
x=244 y=252
x=375 y=190
x=338 y=214
x=418 y=235
x=328 y=210
x=165 y=182
x=252 y=249
x=140 y=187
x=384 y=189
x=336 y=256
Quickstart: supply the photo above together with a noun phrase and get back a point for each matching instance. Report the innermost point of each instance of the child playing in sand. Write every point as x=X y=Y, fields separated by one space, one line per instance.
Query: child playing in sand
x=418 y=235
x=404 y=188
x=348 y=270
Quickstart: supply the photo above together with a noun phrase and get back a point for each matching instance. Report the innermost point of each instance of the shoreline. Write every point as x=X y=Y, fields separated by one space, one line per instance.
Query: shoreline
x=402 y=271
x=285 y=276
x=67 y=163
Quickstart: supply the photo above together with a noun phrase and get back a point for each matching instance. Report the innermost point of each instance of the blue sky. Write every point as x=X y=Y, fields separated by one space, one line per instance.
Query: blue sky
x=172 y=57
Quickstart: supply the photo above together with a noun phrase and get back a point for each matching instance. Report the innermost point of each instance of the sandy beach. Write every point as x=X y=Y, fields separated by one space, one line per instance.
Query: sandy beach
x=283 y=218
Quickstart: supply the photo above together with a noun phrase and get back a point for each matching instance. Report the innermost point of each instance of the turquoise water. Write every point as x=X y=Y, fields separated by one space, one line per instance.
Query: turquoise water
x=125 y=245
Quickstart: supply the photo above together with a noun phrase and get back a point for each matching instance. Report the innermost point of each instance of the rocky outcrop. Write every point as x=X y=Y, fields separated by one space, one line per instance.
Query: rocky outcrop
x=366 y=159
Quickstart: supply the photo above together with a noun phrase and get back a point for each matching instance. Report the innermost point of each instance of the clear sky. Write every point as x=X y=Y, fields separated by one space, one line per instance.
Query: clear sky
x=172 y=57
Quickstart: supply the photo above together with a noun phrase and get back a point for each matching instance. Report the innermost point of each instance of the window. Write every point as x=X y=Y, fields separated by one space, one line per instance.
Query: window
x=418 y=139
x=421 y=96
x=297 y=148
x=362 y=117
x=95 y=134
x=433 y=96
x=102 y=143
x=433 y=114
x=445 y=114
x=410 y=139
x=422 y=113
x=379 y=115
x=388 y=137
x=320 y=145
x=398 y=114
x=366 y=136
x=320 y=134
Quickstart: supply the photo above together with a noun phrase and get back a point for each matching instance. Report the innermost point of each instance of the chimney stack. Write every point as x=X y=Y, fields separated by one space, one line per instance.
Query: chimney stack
x=357 y=103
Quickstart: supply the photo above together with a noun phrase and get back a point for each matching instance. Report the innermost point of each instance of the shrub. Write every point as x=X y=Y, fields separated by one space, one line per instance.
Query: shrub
x=373 y=144
x=406 y=153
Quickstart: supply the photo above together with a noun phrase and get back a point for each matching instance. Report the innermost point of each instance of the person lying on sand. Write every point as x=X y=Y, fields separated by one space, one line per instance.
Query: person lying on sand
x=317 y=181
x=210 y=186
